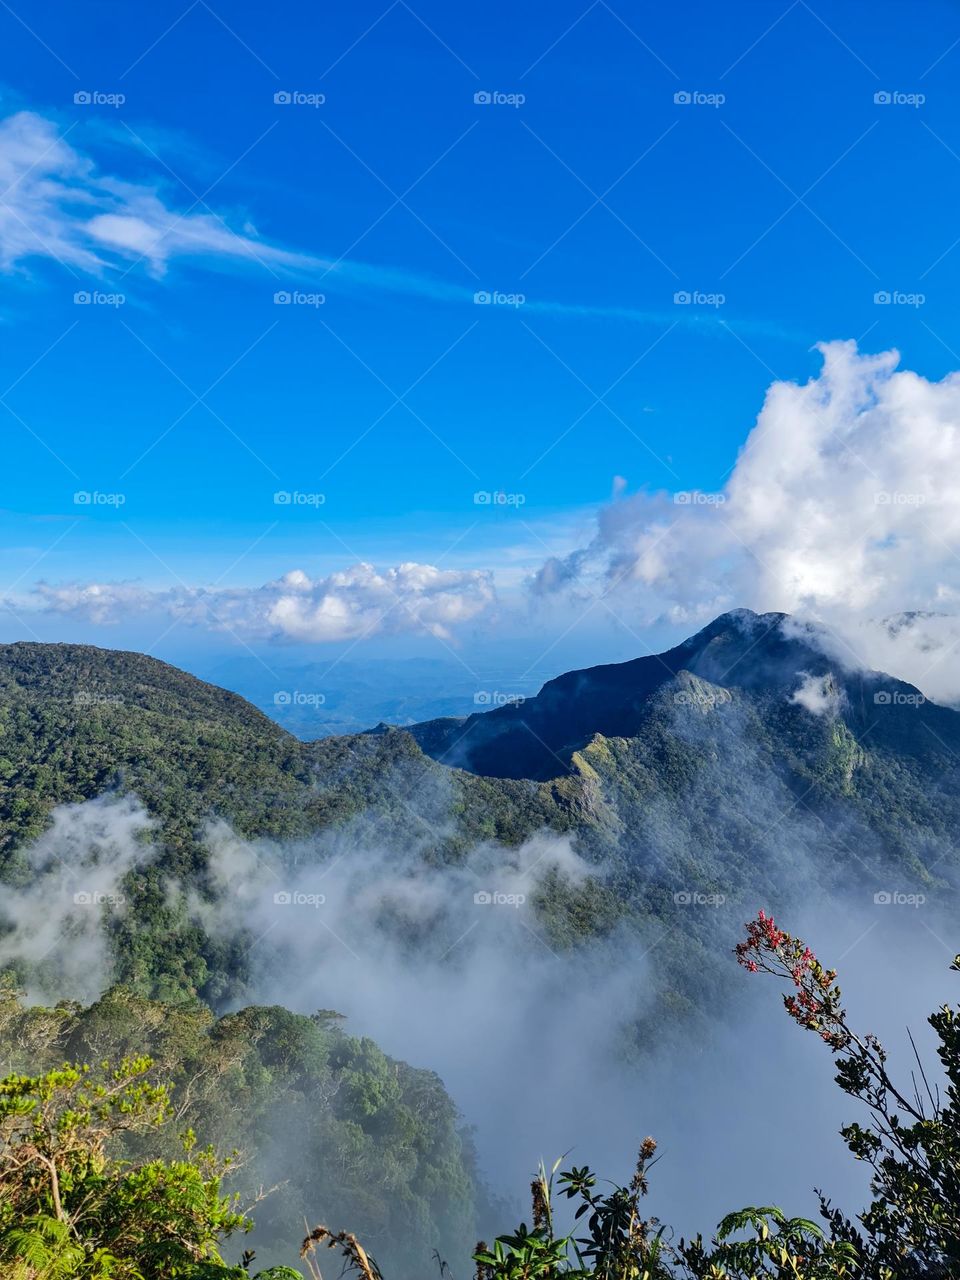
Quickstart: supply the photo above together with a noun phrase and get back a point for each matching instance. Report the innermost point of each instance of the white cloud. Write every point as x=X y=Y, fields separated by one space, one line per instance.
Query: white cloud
x=54 y=921
x=96 y=601
x=355 y=603
x=922 y=648
x=817 y=694
x=41 y=178
x=844 y=505
x=56 y=202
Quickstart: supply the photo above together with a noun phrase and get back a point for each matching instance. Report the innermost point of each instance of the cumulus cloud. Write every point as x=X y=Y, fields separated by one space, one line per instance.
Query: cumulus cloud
x=351 y=604
x=844 y=505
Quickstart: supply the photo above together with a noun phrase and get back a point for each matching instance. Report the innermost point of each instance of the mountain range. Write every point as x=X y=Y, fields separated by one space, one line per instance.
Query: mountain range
x=748 y=763
x=753 y=765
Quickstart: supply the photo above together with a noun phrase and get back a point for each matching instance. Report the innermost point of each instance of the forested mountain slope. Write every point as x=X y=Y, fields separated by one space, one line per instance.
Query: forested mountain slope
x=338 y=1128
x=745 y=765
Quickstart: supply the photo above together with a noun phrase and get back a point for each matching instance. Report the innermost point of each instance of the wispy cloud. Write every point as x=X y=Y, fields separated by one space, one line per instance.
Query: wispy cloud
x=57 y=203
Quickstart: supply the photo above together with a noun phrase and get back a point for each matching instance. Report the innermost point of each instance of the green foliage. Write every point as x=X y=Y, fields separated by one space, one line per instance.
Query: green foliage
x=333 y=1123
x=70 y=1207
x=779 y=1247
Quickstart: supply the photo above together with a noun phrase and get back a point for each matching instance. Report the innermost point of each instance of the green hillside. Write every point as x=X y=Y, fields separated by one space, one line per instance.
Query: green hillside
x=339 y=1128
x=691 y=774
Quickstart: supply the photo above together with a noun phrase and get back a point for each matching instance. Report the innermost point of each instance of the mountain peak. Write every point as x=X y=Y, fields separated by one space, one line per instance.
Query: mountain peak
x=766 y=656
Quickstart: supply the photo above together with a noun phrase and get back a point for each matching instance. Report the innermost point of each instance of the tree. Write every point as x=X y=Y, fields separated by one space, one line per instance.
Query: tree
x=70 y=1208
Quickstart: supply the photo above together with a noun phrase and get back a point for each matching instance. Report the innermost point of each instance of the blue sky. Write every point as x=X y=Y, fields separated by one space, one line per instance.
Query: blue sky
x=783 y=196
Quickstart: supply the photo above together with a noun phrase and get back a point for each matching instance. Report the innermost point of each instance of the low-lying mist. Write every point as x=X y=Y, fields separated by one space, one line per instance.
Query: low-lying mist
x=545 y=1051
